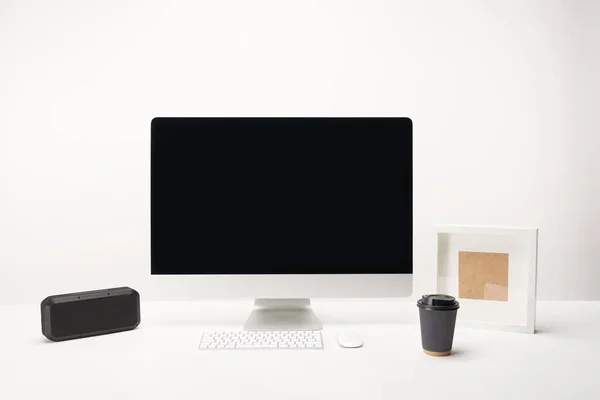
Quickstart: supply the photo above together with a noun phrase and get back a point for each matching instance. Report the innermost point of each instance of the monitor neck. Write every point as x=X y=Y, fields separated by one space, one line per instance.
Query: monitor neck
x=282 y=315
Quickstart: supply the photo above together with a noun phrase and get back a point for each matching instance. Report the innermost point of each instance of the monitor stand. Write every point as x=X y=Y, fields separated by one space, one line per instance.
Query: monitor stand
x=282 y=315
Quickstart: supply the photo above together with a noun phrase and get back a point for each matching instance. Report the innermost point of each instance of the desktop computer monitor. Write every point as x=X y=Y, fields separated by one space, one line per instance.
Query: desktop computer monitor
x=284 y=209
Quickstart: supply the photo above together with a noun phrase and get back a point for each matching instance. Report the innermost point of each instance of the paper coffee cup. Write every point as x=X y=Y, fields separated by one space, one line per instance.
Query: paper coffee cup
x=437 y=313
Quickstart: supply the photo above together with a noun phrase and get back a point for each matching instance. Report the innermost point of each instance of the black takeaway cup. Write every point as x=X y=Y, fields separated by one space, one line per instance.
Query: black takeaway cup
x=437 y=313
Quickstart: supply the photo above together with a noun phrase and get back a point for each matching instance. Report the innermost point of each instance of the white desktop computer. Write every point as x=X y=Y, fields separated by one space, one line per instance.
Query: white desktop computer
x=284 y=210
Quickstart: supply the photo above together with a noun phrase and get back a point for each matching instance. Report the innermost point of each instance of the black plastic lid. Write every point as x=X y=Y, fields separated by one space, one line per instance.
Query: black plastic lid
x=437 y=302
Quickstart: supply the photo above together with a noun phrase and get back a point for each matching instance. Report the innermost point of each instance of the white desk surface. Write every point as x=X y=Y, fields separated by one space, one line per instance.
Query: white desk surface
x=160 y=360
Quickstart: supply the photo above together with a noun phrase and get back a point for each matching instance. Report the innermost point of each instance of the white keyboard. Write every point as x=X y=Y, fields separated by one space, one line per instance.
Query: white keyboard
x=259 y=340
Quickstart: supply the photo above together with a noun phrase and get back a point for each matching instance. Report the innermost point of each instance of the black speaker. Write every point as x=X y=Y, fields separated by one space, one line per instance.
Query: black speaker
x=97 y=312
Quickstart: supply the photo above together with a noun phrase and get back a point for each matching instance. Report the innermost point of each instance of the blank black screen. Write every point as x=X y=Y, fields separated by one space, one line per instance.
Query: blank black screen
x=281 y=195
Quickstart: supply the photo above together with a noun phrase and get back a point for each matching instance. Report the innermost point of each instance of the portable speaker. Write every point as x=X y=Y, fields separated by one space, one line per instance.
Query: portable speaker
x=97 y=312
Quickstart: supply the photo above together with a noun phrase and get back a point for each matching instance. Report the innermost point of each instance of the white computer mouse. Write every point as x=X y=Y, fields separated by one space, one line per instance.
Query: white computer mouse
x=349 y=339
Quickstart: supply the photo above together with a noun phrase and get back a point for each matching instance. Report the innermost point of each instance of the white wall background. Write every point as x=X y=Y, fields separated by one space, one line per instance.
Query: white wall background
x=504 y=98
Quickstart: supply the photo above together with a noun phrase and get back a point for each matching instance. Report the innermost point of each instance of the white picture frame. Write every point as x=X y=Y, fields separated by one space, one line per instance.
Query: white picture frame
x=517 y=313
